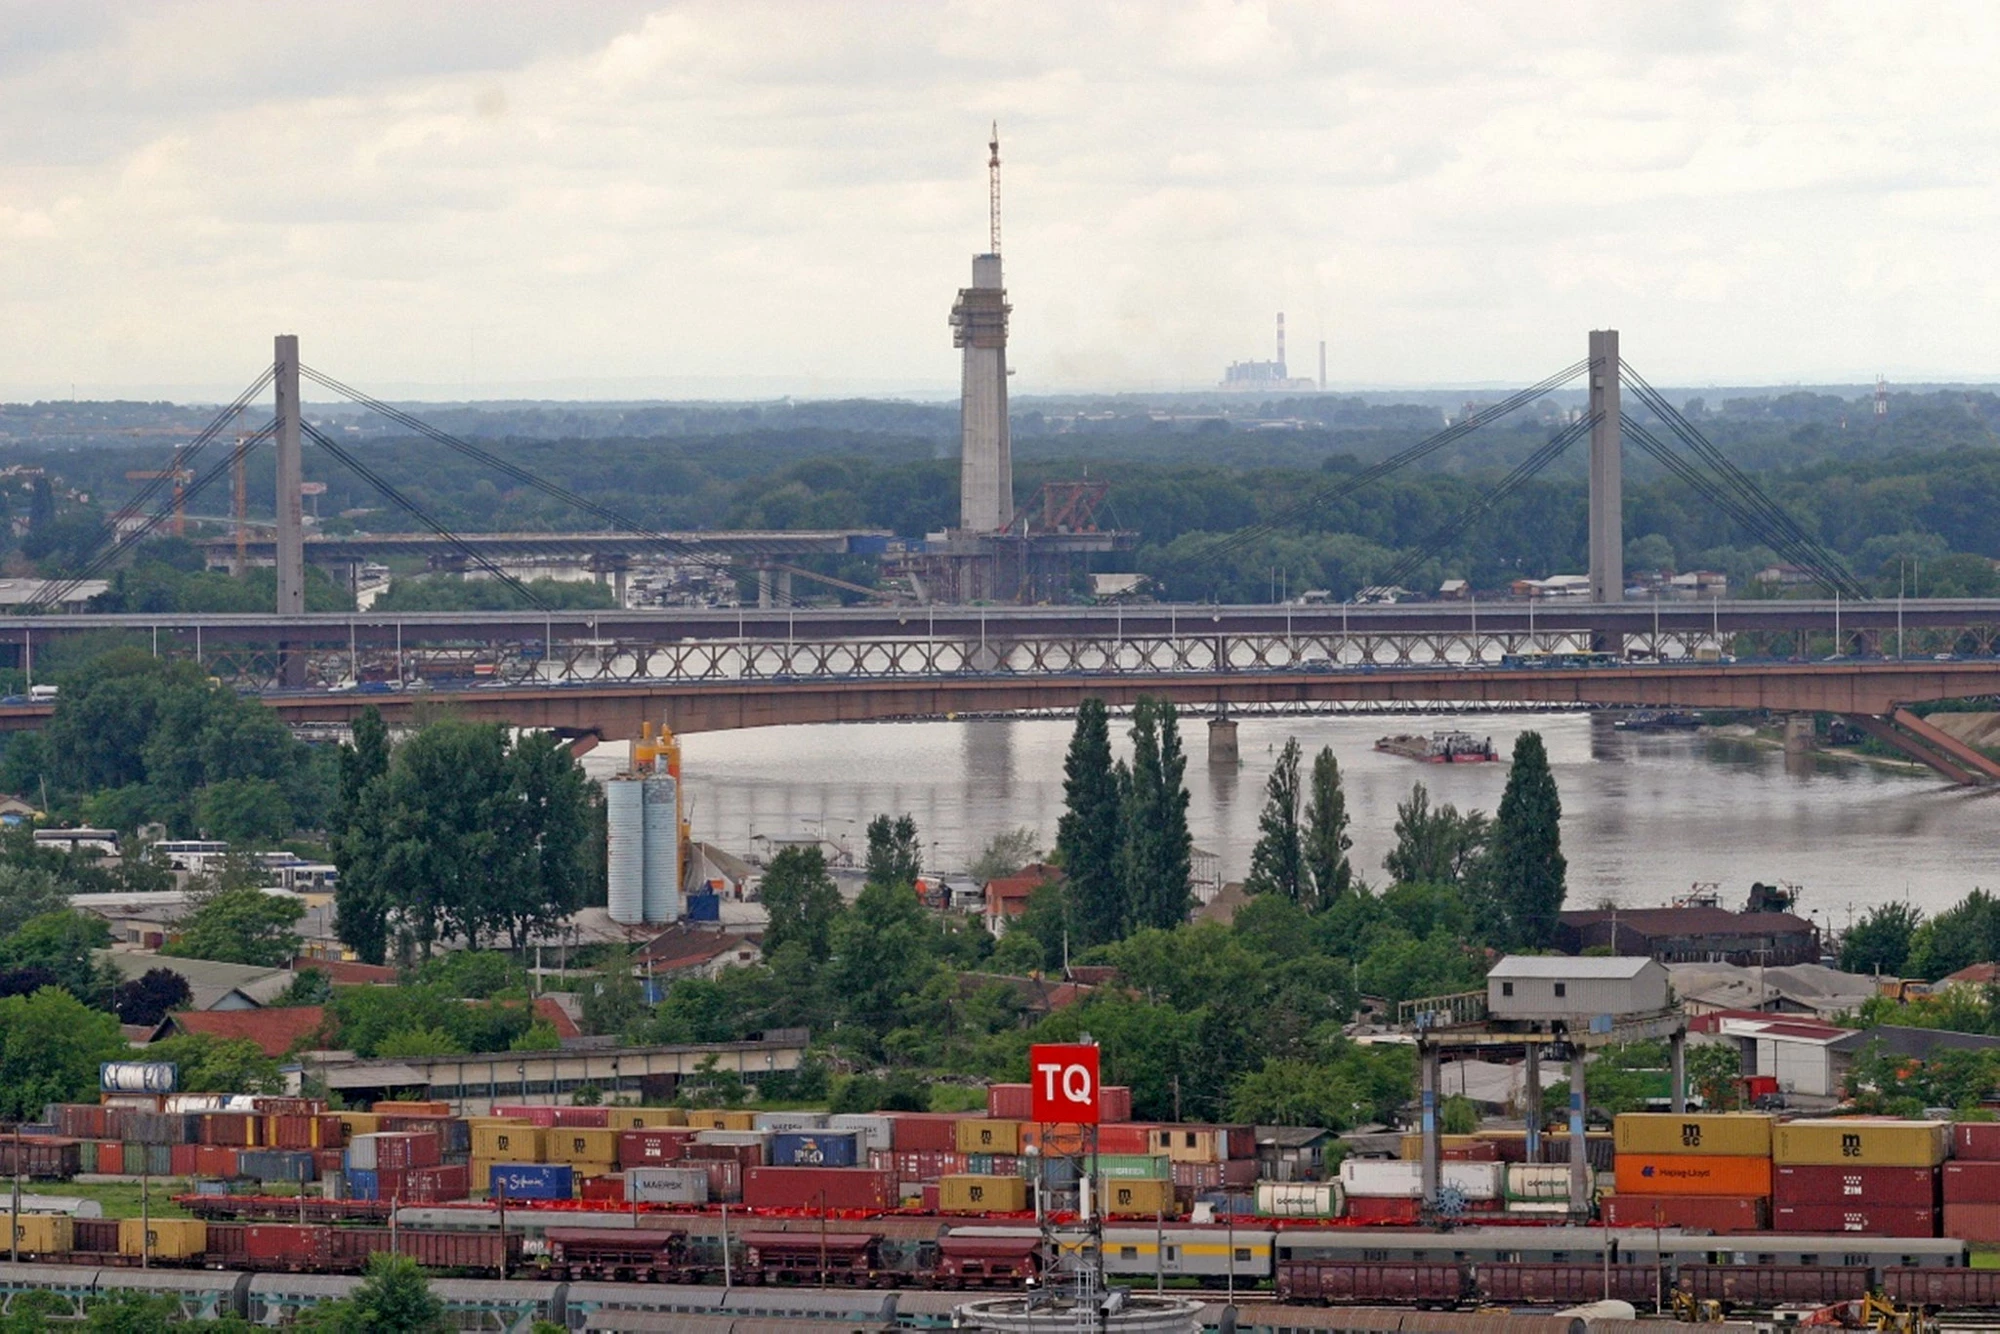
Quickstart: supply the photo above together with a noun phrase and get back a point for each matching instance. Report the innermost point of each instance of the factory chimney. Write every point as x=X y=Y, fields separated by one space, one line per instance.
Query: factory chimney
x=1322 y=365
x=979 y=326
x=1281 y=345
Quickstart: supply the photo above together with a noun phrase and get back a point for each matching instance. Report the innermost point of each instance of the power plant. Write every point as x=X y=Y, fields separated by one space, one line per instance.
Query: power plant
x=1249 y=377
x=979 y=326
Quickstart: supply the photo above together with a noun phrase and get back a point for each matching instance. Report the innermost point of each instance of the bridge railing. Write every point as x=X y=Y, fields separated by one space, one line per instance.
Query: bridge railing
x=1458 y=1010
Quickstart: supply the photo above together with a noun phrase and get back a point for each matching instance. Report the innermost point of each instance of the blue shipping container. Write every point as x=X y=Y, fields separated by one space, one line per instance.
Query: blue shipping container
x=362 y=1184
x=532 y=1181
x=276 y=1164
x=816 y=1148
x=704 y=907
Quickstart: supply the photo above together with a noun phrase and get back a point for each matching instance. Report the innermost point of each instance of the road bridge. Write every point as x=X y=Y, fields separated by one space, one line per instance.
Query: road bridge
x=744 y=543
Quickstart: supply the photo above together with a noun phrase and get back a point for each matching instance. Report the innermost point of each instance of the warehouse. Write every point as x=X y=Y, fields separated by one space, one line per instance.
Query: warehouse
x=1695 y=934
x=1542 y=988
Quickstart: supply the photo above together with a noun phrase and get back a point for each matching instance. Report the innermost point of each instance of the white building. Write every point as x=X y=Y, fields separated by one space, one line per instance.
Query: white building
x=1541 y=988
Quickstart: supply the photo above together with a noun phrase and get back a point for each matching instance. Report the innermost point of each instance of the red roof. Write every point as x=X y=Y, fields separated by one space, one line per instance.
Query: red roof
x=342 y=973
x=275 y=1031
x=1009 y=894
x=1983 y=974
x=557 y=1016
x=689 y=946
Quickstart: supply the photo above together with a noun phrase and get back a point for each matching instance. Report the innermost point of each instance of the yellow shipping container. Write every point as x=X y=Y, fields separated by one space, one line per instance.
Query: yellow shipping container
x=482 y=1174
x=359 y=1123
x=163 y=1238
x=977 y=1135
x=648 y=1118
x=1729 y=1134
x=710 y=1119
x=585 y=1170
x=1190 y=1144
x=45 y=1234
x=578 y=1146
x=511 y=1143
x=979 y=1195
x=1137 y=1197
x=1861 y=1141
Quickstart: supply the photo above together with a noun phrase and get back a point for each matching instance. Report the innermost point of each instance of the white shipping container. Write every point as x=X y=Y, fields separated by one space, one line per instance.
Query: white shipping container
x=733 y=1137
x=182 y=1103
x=361 y=1155
x=875 y=1131
x=1395 y=1179
x=1300 y=1199
x=137 y=1076
x=1538 y=1208
x=666 y=1185
x=1538 y=1181
x=787 y=1123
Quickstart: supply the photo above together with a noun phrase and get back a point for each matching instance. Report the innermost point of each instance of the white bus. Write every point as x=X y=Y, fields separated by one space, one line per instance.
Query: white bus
x=199 y=856
x=76 y=840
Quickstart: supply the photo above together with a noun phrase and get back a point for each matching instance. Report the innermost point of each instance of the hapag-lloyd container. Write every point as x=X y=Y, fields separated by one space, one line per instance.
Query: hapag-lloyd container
x=1896 y=1187
x=1885 y=1221
x=1861 y=1141
x=1732 y=1134
x=1692 y=1174
x=1713 y=1213
x=1392 y=1178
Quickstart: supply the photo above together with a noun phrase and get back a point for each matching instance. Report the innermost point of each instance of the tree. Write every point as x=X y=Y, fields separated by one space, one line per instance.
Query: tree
x=1090 y=834
x=243 y=810
x=394 y=1298
x=1966 y=933
x=1277 y=863
x=1880 y=942
x=64 y=945
x=612 y=999
x=1004 y=854
x=895 y=858
x=361 y=763
x=1434 y=847
x=1712 y=1071
x=799 y=894
x=879 y=960
x=25 y=892
x=239 y=924
x=51 y=1045
x=1158 y=851
x=209 y=1064
x=1328 y=871
x=1524 y=867
x=147 y=999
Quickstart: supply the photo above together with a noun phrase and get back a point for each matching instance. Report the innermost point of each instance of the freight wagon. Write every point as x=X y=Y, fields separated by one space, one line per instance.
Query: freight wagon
x=1565 y=1285
x=1372 y=1283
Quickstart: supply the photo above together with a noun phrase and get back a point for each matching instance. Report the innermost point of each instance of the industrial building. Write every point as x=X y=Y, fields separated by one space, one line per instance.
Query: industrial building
x=647 y=846
x=1692 y=934
x=1550 y=988
x=1251 y=377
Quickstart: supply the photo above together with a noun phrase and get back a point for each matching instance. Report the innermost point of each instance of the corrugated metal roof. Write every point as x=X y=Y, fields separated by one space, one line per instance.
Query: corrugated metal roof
x=1562 y=966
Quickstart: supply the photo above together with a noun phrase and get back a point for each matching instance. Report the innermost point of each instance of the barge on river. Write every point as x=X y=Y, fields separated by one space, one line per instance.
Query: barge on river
x=1441 y=748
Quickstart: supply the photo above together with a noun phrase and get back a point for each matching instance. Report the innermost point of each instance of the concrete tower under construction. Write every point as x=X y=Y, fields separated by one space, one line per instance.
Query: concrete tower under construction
x=979 y=327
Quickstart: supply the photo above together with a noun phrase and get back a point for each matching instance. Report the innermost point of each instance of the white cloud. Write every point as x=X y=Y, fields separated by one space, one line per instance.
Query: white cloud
x=518 y=194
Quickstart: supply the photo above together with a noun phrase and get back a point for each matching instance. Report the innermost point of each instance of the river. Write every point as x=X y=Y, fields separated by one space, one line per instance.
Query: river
x=1645 y=816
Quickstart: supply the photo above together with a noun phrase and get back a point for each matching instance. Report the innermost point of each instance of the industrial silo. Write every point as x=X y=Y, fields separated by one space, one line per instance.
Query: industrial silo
x=625 y=861
x=662 y=898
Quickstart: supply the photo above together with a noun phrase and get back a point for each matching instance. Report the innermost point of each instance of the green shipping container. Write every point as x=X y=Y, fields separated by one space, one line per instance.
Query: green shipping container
x=86 y=1156
x=1139 y=1166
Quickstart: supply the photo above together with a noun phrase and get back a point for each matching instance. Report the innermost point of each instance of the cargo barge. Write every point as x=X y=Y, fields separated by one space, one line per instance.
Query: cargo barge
x=1441 y=748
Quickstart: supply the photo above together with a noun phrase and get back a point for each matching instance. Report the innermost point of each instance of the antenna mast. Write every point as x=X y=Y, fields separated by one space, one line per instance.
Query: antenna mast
x=993 y=176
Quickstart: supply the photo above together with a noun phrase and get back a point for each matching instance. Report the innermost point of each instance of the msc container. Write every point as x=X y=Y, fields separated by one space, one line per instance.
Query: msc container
x=818 y=1148
x=1978 y=1140
x=818 y=1188
x=1858 y=1141
x=719 y=1119
x=580 y=1146
x=877 y=1132
x=787 y=1123
x=163 y=1238
x=666 y=1185
x=980 y=1135
x=45 y=1234
x=511 y=1143
x=645 y=1118
x=1711 y=1213
x=1733 y=1134
x=137 y=1076
x=1389 y=1178
x=1299 y=1199
x=532 y=1181
x=982 y=1195
x=1133 y=1198
x=650 y=1148
x=1768 y=1285
x=1537 y=1182
x=1692 y=1174
x=1883 y=1221
x=1905 y=1187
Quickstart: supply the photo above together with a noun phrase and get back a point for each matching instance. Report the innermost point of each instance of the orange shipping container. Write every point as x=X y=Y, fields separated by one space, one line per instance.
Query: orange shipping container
x=1692 y=1174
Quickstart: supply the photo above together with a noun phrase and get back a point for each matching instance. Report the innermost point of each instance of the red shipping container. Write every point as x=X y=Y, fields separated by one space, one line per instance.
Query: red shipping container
x=436 y=1185
x=725 y=1177
x=652 y=1148
x=1972 y=1222
x=397 y=1151
x=1713 y=1213
x=275 y=1106
x=291 y=1246
x=1126 y=1137
x=925 y=1166
x=923 y=1132
x=814 y=1188
x=1382 y=1209
x=1010 y=1102
x=930 y=1199
x=604 y=1190
x=234 y=1128
x=1114 y=1103
x=180 y=1159
x=214 y=1160
x=1880 y=1222
x=1977 y=1140
x=583 y=1118
x=111 y=1158
x=534 y=1116
x=327 y=1160
x=1974 y=1182
x=1479 y=1151
x=1871 y=1187
x=744 y=1155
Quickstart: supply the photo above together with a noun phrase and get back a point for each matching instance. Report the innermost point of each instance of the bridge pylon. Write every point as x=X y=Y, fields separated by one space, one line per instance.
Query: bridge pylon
x=291 y=537
x=1607 y=515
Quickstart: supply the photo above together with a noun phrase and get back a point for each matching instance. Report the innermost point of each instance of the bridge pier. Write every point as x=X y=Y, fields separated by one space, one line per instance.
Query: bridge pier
x=1222 y=748
x=1580 y=1182
x=764 y=587
x=1800 y=738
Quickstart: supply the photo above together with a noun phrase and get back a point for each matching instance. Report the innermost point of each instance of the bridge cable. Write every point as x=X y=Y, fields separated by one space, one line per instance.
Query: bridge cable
x=368 y=475
x=1347 y=485
x=684 y=550
x=1453 y=528
x=1826 y=565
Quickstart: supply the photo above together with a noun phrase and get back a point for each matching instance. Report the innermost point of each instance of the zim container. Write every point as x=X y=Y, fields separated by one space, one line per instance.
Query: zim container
x=1901 y=1187
x=1733 y=1134
x=1859 y=1141
x=1711 y=1213
x=1885 y=1221
x=1692 y=1174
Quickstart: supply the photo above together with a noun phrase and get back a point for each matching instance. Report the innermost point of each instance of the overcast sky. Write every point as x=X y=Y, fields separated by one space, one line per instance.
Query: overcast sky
x=609 y=199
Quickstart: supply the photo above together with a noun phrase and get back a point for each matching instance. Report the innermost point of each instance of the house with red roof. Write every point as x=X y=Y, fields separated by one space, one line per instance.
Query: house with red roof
x=1007 y=895
x=276 y=1031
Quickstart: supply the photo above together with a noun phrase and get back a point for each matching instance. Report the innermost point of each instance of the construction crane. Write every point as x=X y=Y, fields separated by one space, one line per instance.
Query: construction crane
x=993 y=179
x=181 y=476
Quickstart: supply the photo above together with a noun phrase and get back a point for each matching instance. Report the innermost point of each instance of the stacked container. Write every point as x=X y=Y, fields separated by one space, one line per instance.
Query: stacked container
x=1860 y=1174
x=1391 y=1190
x=1694 y=1169
x=1971 y=1182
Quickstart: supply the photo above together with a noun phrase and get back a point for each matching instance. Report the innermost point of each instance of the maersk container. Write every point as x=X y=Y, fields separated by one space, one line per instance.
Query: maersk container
x=1390 y=1178
x=818 y=1148
x=625 y=852
x=138 y=1076
x=786 y=1123
x=666 y=1185
x=1299 y=1199
x=877 y=1132
x=532 y=1181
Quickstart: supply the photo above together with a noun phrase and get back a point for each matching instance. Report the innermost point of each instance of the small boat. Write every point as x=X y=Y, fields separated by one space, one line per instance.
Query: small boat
x=1441 y=748
x=1658 y=720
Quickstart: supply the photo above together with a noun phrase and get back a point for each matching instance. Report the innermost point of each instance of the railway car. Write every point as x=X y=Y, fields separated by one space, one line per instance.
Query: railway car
x=1175 y=1251
x=616 y=1254
x=1373 y=1283
x=1945 y=1289
x=1565 y=1285
x=845 y=1259
x=988 y=1262
x=1774 y=1285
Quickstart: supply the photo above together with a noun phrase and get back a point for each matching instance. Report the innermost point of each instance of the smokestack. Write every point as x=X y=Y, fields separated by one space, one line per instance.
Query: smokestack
x=1281 y=345
x=1322 y=365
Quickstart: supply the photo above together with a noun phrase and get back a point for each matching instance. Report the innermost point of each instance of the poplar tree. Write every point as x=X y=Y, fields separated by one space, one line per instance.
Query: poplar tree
x=1159 y=851
x=1091 y=832
x=1524 y=866
x=1277 y=863
x=1326 y=840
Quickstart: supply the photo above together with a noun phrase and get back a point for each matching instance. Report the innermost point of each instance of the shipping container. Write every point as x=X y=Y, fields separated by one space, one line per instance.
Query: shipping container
x=1012 y=1102
x=1883 y=1221
x=815 y=1148
x=745 y=1156
x=44 y=1234
x=576 y=1145
x=877 y=1132
x=532 y=1181
x=1974 y=1181
x=1972 y=1221
x=715 y=1119
x=1692 y=1174
x=1567 y=1284
x=353 y=1124
x=1536 y=1182
x=512 y=1142
x=393 y=1151
x=277 y=1164
x=924 y=1132
x=1413 y=1144
x=431 y=1107
x=1732 y=1134
x=536 y=1115
x=163 y=1238
x=296 y=1247
x=436 y=1185
x=1299 y=1199
x=787 y=1123
x=1720 y=1214
x=1143 y=1165
x=1858 y=1141
x=816 y=1188
x=1134 y=1198
x=1976 y=1140
x=1395 y=1179
x=980 y=1135
x=583 y=1118
x=1935 y=1286
x=1371 y=1283
x=725 y=1178
x=1902 y=1187
x=652 y=1147
x=929 y=1165
x=646 y=1118
x=666 y=1185
x=982 y=1195
x=1191 y=1144
x=1384 y=1208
